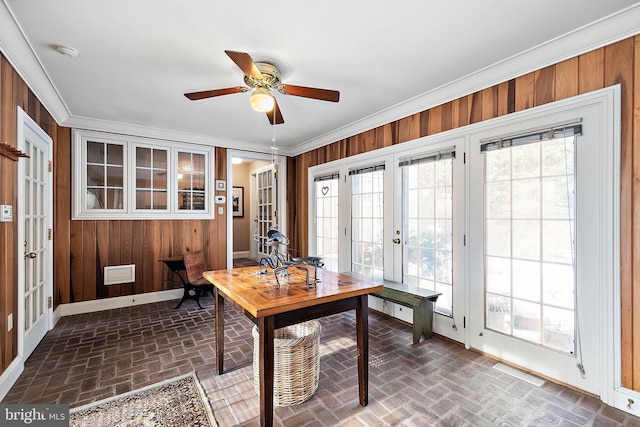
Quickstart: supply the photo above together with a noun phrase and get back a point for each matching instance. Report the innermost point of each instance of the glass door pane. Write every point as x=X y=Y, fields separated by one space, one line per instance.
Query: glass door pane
x=427 y=223
x=326 y=217
x=529 y=243
x=367 y=224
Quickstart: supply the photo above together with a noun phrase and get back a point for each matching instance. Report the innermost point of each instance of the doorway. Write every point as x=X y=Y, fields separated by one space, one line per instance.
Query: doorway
x=256 y=196
x=534 y=278
x=35 y=222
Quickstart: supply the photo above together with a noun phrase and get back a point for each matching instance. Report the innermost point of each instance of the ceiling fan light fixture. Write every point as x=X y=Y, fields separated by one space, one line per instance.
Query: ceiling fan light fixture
x=262 y=100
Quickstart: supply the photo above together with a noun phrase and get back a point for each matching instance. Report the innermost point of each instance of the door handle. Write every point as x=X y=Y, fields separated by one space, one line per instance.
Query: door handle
x=30 y=255
x=396 y=241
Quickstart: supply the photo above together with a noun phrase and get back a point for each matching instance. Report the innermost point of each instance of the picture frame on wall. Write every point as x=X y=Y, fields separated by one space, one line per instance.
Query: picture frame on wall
x=221 y=185
x=237 y=201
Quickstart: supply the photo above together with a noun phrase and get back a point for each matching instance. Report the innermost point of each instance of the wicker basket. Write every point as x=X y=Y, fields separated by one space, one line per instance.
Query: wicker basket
x=296 y=365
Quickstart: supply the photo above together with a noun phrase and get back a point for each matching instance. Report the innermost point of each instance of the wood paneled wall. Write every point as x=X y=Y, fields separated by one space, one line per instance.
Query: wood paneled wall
x=14 y=93
x=618 y=63
x=82 y=248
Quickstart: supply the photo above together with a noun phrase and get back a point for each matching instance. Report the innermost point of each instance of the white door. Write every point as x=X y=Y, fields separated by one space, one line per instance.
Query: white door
x=265 y=183
x=428 y=228
x=534 y=287
x=36 y=215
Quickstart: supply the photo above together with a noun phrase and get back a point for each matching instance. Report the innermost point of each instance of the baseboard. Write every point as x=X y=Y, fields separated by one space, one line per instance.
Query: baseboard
x=242 y=254
x=57 y=315
x=10 y=376
x=118 y=302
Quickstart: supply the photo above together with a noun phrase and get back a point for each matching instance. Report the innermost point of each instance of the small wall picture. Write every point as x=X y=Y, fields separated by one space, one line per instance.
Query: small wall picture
x=237 y=201
x=221 y=185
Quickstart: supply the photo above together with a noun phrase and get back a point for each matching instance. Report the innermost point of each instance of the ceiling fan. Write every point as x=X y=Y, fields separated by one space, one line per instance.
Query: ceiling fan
x=262 y=78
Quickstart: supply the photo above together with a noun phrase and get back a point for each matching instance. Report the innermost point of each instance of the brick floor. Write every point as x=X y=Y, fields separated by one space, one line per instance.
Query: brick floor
x=435 y=383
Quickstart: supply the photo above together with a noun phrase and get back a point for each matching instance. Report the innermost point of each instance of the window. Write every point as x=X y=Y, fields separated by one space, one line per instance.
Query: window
x=104 y=173
x=118 y=177
x=191 y=181
x=151 y=178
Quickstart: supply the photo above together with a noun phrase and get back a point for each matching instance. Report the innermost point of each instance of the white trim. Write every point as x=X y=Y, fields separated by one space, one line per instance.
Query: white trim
x=10 y=376
x=118 y=302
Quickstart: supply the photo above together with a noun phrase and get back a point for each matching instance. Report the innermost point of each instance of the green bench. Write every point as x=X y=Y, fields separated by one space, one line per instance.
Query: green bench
x=420 y=300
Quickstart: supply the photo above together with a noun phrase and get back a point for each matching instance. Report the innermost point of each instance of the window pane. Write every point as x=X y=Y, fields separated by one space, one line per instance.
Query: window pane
x=537 y=279
x=367 y=224
x=143 y=157
x=114 y=199
x=160 y=159
x=326 y=195
x=95 y=176
x=427 y=228
x=114 y=154
x=95 y=198
x=95 y=152
x=143 y=178
x=159 y=200
x=143 y=199
x=114 y=176
x=159 y=179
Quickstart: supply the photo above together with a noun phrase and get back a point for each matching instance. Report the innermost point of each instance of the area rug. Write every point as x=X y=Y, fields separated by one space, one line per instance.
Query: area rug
x=179 y=401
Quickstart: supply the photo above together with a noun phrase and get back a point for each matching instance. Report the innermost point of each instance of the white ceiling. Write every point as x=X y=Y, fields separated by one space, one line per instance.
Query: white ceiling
x=387 y=59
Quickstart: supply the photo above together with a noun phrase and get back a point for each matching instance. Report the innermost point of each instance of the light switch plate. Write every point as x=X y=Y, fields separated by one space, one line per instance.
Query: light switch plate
x=6 y=213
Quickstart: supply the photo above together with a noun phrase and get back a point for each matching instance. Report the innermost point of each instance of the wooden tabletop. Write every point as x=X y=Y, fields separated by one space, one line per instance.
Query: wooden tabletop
x=259 y=296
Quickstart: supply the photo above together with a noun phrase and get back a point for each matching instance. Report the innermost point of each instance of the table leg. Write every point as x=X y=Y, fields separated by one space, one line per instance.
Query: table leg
x=219 y=299
x=362 y=333
x=265 y=366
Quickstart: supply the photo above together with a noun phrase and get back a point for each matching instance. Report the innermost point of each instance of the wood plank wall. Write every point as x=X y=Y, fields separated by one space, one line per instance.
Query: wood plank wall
x=14 y=93
x=82 y=248
x=618 y=63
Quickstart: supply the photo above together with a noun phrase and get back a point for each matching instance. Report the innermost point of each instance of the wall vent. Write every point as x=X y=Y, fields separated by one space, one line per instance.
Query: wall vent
x=117 y=274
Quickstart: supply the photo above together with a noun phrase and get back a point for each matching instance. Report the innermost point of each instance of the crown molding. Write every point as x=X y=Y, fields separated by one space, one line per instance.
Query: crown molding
x=15 y=47
x=603 y=32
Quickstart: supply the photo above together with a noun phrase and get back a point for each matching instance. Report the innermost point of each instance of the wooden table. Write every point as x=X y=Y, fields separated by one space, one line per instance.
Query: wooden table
x=271 y=308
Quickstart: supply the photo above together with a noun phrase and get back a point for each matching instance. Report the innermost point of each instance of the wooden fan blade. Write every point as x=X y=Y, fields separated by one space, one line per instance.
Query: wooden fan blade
x=245 y=63
x=216 y=92
x=278 y=115
x=311 y=92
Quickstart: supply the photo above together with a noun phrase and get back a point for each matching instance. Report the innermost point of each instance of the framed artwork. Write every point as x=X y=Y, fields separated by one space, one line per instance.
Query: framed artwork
x=221 y=185
x=237 y=201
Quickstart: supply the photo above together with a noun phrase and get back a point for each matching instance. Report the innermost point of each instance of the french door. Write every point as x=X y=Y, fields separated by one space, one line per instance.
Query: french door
x=265 y=183
x=36 y=288
x=534 y=287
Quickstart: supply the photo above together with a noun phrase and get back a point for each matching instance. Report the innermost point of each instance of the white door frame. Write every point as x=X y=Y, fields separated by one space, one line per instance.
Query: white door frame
x=282 y=187
x=25 y=121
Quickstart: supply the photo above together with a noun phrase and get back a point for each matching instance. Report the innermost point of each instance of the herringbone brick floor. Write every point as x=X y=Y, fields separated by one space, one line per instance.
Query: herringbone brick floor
x=92 y=356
